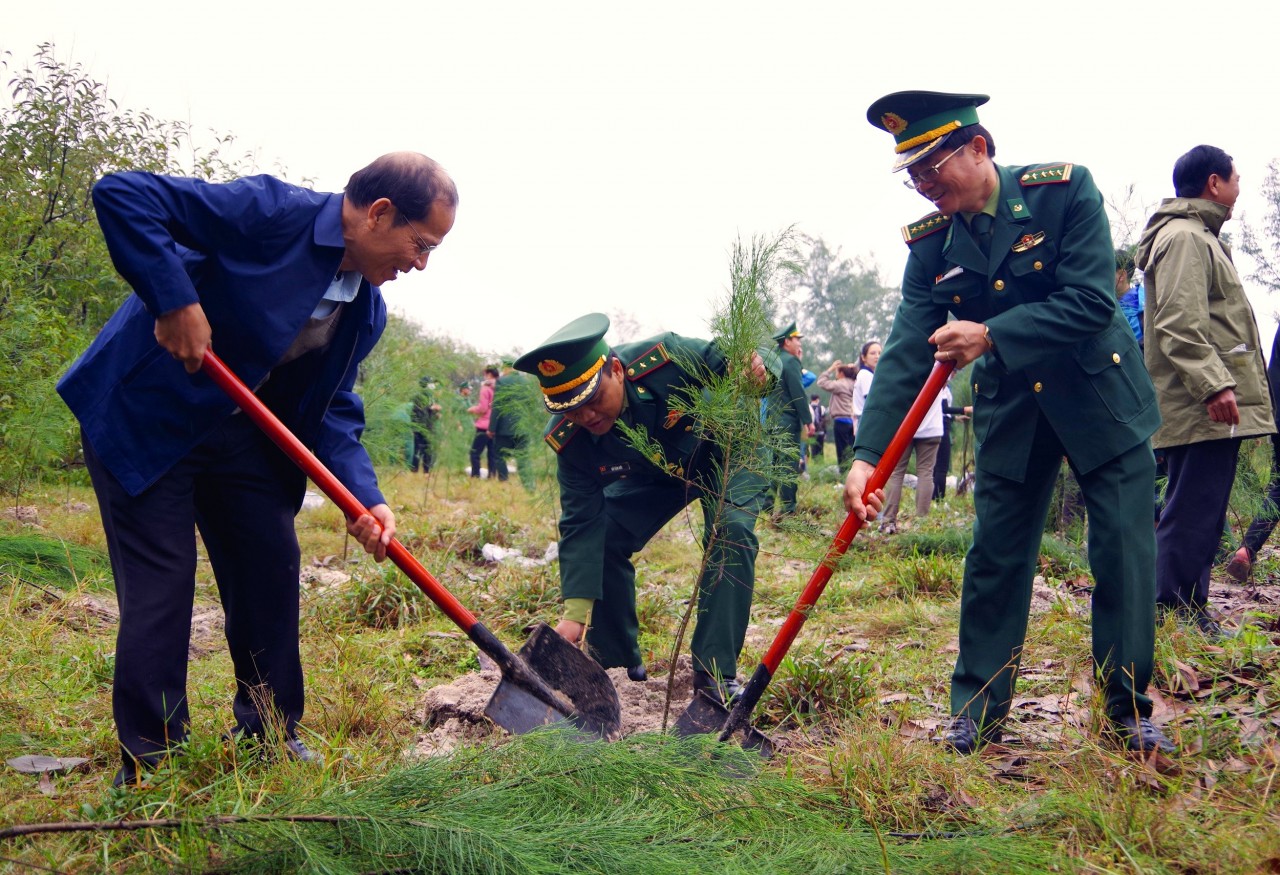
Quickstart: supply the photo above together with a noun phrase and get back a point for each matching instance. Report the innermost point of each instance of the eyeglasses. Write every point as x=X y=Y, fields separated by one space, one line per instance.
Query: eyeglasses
x=928 y=175
x=424 y=247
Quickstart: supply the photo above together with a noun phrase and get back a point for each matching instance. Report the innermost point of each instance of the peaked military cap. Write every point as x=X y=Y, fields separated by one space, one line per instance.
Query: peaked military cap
x=921 y=120
x=568 y=363
x=783 y=333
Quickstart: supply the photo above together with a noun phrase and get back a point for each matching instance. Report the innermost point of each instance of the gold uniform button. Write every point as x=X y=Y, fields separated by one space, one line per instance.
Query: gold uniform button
x=1115 y=357
x=1039 y=265
x=1038 y=386
x=956 y=299
x=999 y=285
x=631 y=372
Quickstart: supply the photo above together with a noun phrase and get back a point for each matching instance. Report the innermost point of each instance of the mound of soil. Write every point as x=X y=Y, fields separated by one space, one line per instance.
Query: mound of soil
x=453 y=713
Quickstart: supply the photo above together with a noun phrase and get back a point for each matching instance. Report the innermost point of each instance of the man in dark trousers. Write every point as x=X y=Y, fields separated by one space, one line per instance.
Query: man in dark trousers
x=1205 y=357
x=284 y=281
x=788 y=411
x=1241 y=564
x=615 y=498
x=818 y=413
x=1022 y=257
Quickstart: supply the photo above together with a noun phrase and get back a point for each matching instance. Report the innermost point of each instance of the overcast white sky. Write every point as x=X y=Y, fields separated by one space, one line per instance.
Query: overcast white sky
x=608 y=154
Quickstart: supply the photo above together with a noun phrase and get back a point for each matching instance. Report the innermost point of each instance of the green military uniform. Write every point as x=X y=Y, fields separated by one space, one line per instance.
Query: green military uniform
x=788 y=408
x=1064 y=377
x=614 y=499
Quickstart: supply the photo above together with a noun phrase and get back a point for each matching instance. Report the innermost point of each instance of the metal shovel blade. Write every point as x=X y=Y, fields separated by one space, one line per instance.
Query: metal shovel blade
x=706 y=716
x=591 y=702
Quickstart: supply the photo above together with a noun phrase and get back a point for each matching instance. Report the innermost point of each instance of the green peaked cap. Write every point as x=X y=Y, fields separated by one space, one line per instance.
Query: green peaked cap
x=568 y=364
x=921 y=120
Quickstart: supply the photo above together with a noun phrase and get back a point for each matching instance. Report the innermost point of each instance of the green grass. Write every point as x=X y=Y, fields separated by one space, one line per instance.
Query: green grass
x=854 y=706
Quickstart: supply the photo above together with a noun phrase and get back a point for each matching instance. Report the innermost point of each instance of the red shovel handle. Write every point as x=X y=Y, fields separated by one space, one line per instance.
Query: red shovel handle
x=879 y=477
x=331 y=486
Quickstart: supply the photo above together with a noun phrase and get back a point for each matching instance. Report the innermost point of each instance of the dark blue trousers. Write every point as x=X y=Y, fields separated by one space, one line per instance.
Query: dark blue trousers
x=1195 y=511
x=1265 y=522
x=242 y=493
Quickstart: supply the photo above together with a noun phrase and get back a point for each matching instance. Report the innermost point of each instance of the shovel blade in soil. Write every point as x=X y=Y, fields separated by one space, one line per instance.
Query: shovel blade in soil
x=591 y=701
x=519 y=711
x=706 y=716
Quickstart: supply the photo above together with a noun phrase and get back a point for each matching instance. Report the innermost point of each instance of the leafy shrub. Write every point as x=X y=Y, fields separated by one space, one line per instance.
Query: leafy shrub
x=819 y=683
x=930 y=574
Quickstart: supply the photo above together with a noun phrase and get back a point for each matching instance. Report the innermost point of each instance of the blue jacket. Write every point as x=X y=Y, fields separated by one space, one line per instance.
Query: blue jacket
x=258 y=254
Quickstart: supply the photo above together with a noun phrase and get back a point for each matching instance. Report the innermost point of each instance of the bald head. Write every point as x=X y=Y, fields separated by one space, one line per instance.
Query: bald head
x=410 y=180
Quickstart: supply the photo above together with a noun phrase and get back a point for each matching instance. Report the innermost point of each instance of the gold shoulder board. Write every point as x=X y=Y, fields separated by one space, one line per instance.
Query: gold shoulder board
x=924 y=227
x=1047 y=173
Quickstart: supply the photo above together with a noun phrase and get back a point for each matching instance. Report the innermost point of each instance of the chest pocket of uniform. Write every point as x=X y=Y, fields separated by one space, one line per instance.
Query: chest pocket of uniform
x=1037 y=261
x=1115 y=371
x=957 y=291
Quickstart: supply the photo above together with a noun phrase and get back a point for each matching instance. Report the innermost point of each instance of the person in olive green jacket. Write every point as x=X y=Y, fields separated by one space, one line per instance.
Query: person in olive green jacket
x=1022 y=258
x=614 y=498
x=1205 y=358
x=789 y=412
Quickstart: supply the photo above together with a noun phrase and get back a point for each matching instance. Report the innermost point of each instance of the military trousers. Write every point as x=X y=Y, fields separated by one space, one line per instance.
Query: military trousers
x=996 y=596
x=637 y=511
x=789 y=455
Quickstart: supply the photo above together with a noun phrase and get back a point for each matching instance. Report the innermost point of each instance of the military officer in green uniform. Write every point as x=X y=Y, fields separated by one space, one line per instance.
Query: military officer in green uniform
x=614 y=498
x=789 y=412
x=1022 y=258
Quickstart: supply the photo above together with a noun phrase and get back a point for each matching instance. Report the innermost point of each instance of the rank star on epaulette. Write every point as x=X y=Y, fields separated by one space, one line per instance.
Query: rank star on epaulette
x=1047 y=174
x=648 y=362
x=559 y=435
x=926 y=226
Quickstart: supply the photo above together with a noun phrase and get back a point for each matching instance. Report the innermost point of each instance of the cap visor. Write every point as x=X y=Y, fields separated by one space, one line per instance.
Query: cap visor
x=911 y=156
x=572 y=400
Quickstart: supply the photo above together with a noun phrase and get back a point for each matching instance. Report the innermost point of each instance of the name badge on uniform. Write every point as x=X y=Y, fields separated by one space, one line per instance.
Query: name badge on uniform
x=1028 y=241
x=954 y=272
x=617 y=469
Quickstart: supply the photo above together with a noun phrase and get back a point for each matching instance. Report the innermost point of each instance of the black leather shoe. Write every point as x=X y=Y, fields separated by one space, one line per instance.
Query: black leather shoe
x=963 y=735
x=637 y=673
x=1209 y=628
x=732 y=691
x=726 y=692
x=129 y=777
x=1140 y=734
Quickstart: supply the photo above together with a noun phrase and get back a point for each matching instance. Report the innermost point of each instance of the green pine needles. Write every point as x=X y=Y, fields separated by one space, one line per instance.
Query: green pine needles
x=547 y=803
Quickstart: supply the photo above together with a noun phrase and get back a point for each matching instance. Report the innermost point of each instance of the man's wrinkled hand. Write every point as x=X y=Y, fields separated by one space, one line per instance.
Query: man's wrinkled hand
x=374 y=530
x=960 y=342
x=863 y=507
x=185 y=333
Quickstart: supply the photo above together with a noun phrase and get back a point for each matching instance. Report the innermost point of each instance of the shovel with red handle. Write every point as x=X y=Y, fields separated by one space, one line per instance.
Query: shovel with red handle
x=533 y=680
x=705 y=714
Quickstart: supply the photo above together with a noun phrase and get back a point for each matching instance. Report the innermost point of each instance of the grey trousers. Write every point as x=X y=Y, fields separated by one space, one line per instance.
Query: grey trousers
x=926 y=450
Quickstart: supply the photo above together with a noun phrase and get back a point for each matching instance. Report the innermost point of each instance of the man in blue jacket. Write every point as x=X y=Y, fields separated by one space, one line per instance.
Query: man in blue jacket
x=285 y=282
